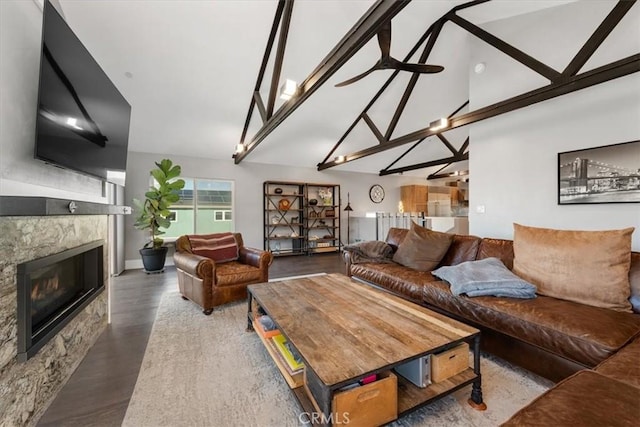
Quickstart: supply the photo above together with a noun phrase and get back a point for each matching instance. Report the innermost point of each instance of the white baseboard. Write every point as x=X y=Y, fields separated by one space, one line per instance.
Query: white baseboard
x=136 y=264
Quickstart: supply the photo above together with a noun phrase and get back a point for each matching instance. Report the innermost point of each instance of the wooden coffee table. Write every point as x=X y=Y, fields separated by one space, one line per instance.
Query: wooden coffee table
x=345 y=331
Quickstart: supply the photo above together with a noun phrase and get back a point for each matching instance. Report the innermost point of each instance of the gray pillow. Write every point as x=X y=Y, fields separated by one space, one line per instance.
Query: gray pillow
x=486 y=277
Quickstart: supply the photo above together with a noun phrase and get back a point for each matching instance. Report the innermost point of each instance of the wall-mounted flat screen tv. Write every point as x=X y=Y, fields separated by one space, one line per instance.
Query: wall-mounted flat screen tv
x=83 y=120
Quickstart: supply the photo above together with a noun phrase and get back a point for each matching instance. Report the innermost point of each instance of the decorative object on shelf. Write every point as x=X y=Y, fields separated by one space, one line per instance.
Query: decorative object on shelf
x=275 y=219
x=284 y=204
x=322 y=222
x=329 y=213
x=294 y=219
x=313 y=214
x=313 y=202
x=348 y=209
x=278 y=190
x=599 y=175
x=326 y=195
x=376 y=193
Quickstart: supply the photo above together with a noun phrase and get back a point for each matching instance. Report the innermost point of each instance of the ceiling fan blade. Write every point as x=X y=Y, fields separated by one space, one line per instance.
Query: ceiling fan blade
x=384 y=39
x=360 y=76
x=418 y=68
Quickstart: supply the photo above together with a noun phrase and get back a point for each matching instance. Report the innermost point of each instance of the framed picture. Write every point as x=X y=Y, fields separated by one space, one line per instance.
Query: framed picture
x=607 y=174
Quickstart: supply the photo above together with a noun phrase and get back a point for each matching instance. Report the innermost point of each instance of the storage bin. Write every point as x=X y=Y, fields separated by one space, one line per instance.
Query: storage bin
x=372 y=404
x=449 y=363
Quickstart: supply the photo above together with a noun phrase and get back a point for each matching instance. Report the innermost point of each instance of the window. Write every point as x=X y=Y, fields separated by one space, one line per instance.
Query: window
x=205 y=206
x=222 y=215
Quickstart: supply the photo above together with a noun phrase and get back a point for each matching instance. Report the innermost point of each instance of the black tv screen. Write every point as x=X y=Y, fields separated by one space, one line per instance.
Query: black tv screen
x=83 y=120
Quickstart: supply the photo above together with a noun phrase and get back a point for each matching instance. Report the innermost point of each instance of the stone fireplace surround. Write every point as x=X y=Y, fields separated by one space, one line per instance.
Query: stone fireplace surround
x=31 y=228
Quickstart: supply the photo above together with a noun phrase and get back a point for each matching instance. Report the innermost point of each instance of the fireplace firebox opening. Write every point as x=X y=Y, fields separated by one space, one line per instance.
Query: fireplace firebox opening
x=53 y=290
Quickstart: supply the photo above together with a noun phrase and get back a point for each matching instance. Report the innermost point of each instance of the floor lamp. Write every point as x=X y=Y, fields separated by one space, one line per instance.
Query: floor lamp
x=348 y=209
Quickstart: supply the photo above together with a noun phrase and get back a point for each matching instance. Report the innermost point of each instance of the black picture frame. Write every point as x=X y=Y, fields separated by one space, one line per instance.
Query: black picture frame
x=604 y=174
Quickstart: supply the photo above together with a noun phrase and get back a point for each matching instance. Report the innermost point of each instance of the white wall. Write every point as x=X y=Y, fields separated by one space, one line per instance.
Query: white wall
x=248 y=178
x=20 y=173
x=514 y=156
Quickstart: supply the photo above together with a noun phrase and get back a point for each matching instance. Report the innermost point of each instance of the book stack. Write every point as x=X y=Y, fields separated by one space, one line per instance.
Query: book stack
x=288 y=354
x=265 y=327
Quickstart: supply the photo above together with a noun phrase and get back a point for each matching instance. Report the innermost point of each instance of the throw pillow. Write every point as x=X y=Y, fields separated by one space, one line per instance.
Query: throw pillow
x=220 y=247
x=422 y=249
x=486 y=277
x=589 y=267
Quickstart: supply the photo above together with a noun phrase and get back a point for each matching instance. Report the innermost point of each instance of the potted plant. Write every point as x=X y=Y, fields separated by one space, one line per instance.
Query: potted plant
x=152 y=214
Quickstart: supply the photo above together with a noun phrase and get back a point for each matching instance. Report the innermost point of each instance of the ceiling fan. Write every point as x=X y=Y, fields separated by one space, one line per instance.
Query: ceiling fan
x=387 y=62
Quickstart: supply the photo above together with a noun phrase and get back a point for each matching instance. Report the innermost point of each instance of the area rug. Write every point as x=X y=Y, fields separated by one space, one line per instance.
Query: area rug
x=208 y=371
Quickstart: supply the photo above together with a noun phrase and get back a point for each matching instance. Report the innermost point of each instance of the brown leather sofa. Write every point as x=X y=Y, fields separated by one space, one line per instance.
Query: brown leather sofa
x=609 y=395
x=210 y=284
x=551 y=337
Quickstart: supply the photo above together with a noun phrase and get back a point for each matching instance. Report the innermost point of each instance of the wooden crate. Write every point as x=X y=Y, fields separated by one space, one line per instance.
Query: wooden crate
x=449 y=363
x=372 y=404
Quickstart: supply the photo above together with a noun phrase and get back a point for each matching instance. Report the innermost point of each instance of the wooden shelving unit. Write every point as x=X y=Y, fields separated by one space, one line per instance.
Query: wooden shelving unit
x=301 y=218
x=283 y=205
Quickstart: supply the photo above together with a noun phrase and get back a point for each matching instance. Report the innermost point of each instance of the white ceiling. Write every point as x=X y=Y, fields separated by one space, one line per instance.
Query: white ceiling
x=194 y=65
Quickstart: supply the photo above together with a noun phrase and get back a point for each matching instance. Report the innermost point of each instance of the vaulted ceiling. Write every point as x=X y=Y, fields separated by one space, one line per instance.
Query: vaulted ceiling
x=188 y=68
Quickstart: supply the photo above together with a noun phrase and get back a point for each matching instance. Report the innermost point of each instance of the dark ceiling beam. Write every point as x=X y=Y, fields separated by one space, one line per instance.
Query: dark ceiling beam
x=446 y=142
x=453 y=159
x=277 y=66
x=414 y=78
x=436 y=175
x=422 y=139
x=506 y=48
x=581 y=81
x=440 y=169
x=258 y=100
x=598 y=36
x=366 y=27
x=465 y=144
x=403 y=154
x=392 y=77
x=263 y=66
x=381 y=139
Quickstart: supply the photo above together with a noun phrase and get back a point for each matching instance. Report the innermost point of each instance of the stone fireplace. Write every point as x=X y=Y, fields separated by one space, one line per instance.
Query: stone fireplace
x=52 y=290
x=33 y=228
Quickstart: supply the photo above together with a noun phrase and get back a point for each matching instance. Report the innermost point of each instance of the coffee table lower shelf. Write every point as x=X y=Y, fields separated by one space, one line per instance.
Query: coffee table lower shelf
x=410 y=397
x=294 y=381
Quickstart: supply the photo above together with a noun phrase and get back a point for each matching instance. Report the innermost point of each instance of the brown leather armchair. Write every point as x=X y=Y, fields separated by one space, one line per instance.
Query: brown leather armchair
x=209 y=283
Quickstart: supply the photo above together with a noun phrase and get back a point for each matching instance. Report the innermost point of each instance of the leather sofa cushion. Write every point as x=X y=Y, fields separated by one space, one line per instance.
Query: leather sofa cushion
x=589 y=267
x=497 y=248
x=395 y=236
x=579 y=332
x=584 y=399
x=234 y=273
x=422 y=249
x=394 y=277
x=463 y=248
x=624 y=365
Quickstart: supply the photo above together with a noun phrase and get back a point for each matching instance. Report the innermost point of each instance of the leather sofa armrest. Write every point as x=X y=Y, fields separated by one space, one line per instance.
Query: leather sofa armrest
x=255 y=257
x=346 y=255
x=195 y=265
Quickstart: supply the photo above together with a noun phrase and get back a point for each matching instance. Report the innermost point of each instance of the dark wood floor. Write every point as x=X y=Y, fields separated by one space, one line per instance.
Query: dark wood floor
x=98 y=392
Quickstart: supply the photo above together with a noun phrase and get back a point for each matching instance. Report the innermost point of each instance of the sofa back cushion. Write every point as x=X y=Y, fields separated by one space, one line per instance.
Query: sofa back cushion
x=497 y=248
x=220 y=247
x=589 y=267
x=395 y=236
x=422 y=249
x=463 y=248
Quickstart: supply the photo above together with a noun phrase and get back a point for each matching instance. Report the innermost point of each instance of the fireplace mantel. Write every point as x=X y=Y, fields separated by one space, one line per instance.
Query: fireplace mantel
x=44 y=206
